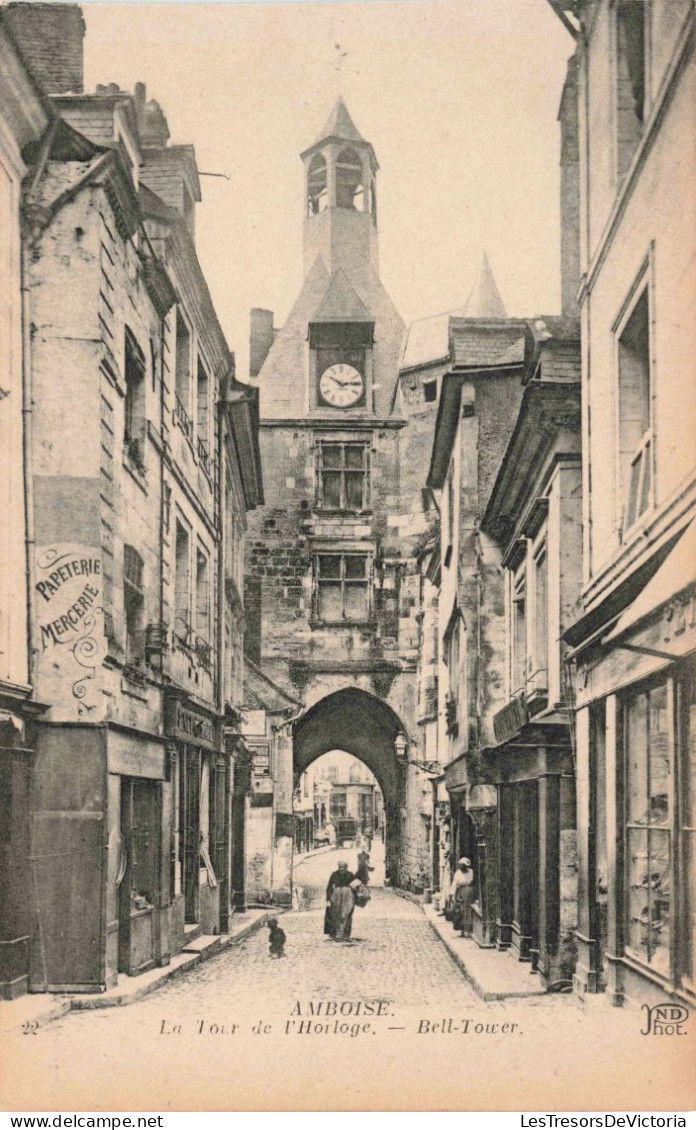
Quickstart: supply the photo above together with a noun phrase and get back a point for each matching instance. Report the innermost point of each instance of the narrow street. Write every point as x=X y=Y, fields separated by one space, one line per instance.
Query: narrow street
x=235 y=1028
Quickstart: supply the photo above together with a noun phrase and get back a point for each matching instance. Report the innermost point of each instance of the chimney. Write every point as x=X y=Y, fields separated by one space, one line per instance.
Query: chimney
x=49 y=37
x=570 y=192
x=261 y=336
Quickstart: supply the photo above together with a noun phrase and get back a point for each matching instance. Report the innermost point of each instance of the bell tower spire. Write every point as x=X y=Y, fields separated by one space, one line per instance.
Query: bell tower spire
x=340 y=197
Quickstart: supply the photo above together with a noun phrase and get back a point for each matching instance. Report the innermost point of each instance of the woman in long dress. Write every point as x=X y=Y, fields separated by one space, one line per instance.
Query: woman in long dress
x=340 y=903
x=462 y=891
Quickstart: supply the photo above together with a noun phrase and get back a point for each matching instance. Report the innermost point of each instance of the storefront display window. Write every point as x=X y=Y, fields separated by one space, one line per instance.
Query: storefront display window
x=688 y=791
x=648 y=784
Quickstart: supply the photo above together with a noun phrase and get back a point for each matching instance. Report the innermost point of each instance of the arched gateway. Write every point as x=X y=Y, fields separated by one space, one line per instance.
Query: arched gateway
x=366 y=727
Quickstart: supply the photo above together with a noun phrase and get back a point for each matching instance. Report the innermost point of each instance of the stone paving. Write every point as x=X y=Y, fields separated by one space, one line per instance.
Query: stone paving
x=394 y=956
x=226 y=1035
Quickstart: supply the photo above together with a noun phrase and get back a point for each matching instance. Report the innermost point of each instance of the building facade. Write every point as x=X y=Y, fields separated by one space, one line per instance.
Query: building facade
x=534 y=516
x=477 y=409
x=24 y=118
x=143 y=464
x=633 y=647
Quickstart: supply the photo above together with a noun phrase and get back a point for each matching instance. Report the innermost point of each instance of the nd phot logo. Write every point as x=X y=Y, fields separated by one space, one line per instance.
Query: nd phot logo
x=665 y=1020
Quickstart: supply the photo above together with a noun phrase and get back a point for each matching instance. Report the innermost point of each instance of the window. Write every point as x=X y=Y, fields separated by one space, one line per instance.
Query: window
x=342 y=588
x=203 y=416
x=635 y=433
x=519 y=632
x=688 y=822
x=541 y=618
x=133 y=602
x=202 y=598
x=342 y=476
x=630 y=78
x=183 y=377
x=317 y=194
x=134 y=411
x=648 y=847
x=182 y=611
x=450 y=515
x=217 y=824
x=338 y=803
x=350 y=192
x=429 y=391
x=454 y=655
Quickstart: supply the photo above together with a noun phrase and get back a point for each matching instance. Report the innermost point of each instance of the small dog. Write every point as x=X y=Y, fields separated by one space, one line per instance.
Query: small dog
x=276 y=939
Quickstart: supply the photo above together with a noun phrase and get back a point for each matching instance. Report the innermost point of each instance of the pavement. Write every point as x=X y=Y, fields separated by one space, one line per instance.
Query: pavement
x=493 y=975
x=33 y=1010
x=388 y=1022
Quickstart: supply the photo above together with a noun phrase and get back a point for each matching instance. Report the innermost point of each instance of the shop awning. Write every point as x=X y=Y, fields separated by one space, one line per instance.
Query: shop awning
x=676 y=573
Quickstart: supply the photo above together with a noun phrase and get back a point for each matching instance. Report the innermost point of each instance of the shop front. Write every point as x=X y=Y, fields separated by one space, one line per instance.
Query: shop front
x=636 y=750
x=536 y=839
x=199 y=775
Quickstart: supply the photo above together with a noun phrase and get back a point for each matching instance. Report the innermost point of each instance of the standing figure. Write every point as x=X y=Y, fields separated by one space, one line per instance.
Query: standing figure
x=276 y=939
x=340 y=903
x=462 y=891
x=364 y=868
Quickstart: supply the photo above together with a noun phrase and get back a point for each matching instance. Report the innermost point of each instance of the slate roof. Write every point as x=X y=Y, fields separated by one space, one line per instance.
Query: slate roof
x=341 y=303
x=340 y=124
x=486 y=342
x=428 y=339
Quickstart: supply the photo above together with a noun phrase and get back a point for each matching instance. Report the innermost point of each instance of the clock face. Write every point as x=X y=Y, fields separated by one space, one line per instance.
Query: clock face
x=341 y=385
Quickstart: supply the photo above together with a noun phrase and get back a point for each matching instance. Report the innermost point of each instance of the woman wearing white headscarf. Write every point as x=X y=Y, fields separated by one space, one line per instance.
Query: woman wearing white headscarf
x=462 y=892
x=340 y=903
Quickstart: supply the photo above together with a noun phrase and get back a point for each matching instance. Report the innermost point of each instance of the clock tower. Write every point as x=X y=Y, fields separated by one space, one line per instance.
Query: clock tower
x=331 y=584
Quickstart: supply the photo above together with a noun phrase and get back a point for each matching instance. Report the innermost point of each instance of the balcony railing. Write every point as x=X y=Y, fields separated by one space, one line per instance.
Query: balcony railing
x=183 y=419
x=204 y=456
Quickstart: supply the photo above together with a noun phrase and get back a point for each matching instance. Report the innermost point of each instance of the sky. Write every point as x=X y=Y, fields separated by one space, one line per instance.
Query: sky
x=458 y=97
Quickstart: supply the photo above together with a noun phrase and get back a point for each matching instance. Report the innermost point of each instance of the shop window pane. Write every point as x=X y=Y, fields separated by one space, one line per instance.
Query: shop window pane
x=356 y=602
x=330 y=604
x=637 y=752
x=689 y=834
x=689 y=965
x=638 y=904
x=649 y=843
x=659 y=768
x=659 y=898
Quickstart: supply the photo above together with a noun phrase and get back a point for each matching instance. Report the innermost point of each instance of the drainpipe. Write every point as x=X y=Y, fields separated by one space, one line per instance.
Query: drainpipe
x=27 y=455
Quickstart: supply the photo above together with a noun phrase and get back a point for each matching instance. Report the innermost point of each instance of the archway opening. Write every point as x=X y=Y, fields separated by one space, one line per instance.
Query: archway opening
x=339 y=812
x=365 y=728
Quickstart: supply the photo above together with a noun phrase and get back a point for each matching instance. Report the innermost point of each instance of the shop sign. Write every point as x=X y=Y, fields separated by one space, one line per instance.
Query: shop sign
x=509 y=721
x=189 y=726
x=70 y=638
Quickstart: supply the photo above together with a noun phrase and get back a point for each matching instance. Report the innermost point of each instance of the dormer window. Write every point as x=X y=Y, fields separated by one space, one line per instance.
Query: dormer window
x=317 y=189
x=350 y=190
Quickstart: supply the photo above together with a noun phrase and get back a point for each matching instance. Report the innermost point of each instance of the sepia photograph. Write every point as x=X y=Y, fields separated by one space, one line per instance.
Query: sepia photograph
x=348 y=557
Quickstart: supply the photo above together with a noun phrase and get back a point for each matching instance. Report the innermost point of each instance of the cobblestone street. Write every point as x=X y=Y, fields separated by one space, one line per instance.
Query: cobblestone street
x=221 y=1036
x=391 y=940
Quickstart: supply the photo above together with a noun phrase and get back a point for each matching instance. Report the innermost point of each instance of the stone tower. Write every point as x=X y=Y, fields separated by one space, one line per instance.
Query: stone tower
x=330 y=597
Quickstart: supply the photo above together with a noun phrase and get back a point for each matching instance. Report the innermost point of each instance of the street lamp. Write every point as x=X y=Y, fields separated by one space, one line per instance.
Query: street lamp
x=400 y=744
